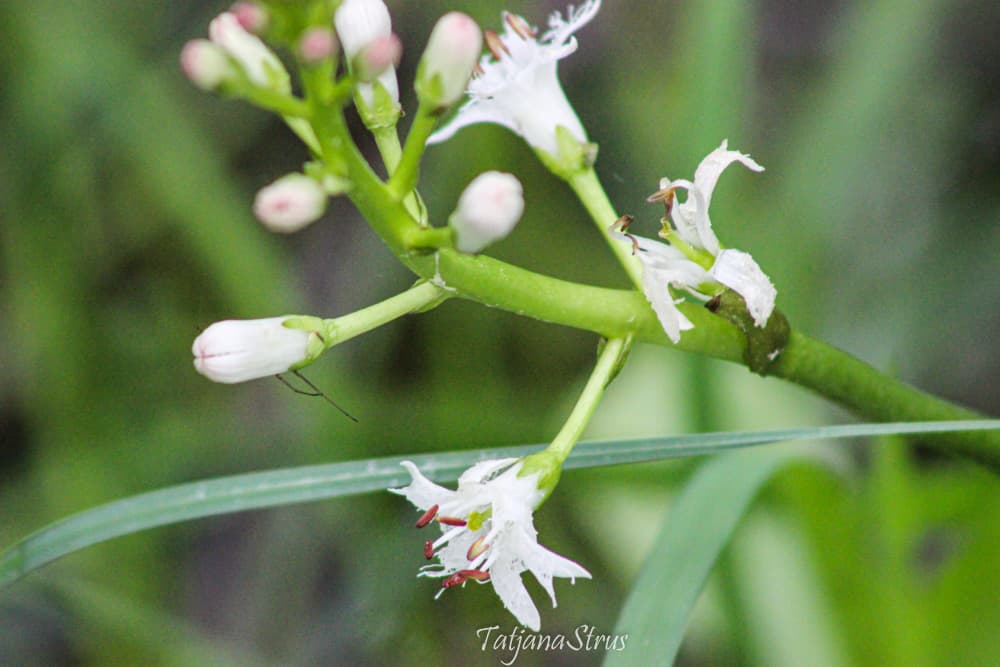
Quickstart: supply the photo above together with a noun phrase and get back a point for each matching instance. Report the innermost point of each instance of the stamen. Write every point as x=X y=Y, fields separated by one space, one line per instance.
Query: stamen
x=453 y=521
x=478 y=575
x=495 y=44
x=456 y=579
x=622 y=224
x=427 y=516
x=478 y=70
x=429 y=549
x=477 y=548
x=518 y=25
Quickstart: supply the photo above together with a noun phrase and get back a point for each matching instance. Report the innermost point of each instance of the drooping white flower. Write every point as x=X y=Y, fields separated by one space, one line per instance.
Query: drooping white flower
x=359 y=23
x=489 y=208
x=239 y=350
x=259 y=63
x=519 y=86
x=290 y=203
x=666 y=265
x=488 y=533
x=451 y=54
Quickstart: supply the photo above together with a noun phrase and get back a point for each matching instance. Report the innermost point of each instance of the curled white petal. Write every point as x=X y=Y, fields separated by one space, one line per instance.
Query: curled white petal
x=710 y=169
x=519 y=87
x=739 y=271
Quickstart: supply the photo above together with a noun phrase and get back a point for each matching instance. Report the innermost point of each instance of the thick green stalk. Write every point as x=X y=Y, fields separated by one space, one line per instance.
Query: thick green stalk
x=866 y=391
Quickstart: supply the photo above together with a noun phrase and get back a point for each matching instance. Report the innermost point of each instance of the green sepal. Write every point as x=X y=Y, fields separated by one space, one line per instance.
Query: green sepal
x=547 y=465
x=385 y=111
x=331 y=183
x=573 y=156
x=318 y=340
x=430 y=90
x=764 y=344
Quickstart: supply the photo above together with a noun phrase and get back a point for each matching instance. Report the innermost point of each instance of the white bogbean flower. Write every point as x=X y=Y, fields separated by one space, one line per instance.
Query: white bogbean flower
x=488 y=534
x=519 y=86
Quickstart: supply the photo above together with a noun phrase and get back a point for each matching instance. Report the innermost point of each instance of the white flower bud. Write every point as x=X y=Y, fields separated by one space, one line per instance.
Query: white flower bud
x=360 y=22
x=317 y=44
x=251 y=16
x=451 y=55
x=380 y=55
x=259 y=63
x=487 y=211
x=239 y=350
x=290 y=203
x=205 y=64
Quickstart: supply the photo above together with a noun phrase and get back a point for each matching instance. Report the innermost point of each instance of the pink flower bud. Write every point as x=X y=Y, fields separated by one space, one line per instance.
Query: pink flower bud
x=290 y=203
x=251 y=16
x=451 y=56
x=239 y=350
x=381 y=54
x=205 y=64
x=488 y=210
x=317 y=44
x=259 y=63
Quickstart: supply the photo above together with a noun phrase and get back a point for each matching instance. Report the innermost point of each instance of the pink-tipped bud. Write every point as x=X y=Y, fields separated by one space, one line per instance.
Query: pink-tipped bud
x=317 y=45
x=240 y=350
x=451 y=56
x=259 y=63
x=290 y=203
x=488 y=210
x=381 y=54
x=251 y=16
x=205 y=64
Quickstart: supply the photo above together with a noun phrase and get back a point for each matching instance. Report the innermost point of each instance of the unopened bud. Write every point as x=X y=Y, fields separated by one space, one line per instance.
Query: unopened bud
x=251 y=16
x=259 y=63
x=317 y=45
x=359 y=23
x=381 y=54
x=450 y=58
x=239 y=350
x=205 y=64
x=290 y=203
x=488 y=210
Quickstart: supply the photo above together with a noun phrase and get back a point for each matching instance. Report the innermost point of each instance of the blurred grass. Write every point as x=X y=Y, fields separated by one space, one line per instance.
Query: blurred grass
x=125 y=227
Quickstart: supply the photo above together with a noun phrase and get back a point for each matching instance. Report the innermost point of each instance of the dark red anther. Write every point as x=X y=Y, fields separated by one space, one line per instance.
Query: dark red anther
x=428 y=549
x=427 y=516
x=478 y=575
x=495 y=44
x=456 y=579
x=477 y=548
x=452 y=521
x=519 y=26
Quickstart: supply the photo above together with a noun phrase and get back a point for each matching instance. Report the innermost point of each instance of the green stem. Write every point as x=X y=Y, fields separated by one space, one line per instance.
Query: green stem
x=608 y=364
x=854 y=384
x=588 y=188
x=387 y=141
x=404 y=179
x=420 y=296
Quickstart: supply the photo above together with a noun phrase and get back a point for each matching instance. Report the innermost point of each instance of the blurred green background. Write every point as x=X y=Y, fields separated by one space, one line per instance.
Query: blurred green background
x=125 y=228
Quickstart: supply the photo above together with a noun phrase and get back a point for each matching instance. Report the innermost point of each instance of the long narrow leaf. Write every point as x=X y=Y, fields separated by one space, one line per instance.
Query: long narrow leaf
x=697 y=527
x=311 y=483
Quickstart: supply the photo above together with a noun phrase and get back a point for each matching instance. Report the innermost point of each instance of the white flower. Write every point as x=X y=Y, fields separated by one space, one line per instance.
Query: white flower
x=451 y=54
x=239 y=350
x=488 y=533
x=519 y=87
x=360 y=22
x=489 y=208
x=259 y=63
x=666 y=265
x=290 y=203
